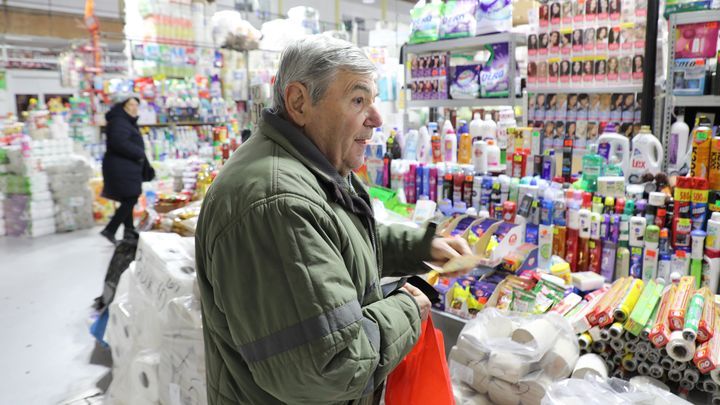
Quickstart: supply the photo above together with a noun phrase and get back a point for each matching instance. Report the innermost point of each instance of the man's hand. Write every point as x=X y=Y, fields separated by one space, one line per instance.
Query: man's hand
x=421 y=299
x=444 y=249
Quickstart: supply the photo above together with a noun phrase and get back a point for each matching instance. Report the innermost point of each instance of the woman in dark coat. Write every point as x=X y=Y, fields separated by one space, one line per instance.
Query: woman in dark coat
x=125 y=166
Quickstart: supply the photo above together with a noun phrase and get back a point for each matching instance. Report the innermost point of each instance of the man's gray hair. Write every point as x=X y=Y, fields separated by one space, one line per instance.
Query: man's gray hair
x=315 y=61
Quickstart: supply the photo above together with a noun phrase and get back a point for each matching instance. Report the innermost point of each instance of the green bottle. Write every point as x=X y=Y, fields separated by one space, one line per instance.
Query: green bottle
x=592 y=165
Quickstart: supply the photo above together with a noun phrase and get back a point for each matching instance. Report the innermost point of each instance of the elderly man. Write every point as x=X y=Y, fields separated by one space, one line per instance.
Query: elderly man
x=289 y=256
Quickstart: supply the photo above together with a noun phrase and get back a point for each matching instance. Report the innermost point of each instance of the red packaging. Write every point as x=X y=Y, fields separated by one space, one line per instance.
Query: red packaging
x=583 y=256
x=595 y=247
x=660 y=334
x=706 y=356
x=608 y=302
x=706 y=327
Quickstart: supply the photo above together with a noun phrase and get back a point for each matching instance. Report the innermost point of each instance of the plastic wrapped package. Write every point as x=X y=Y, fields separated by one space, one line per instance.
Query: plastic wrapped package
x=231 y=31
x=182 y=356
x=121 y=332
x=145 y=378
x=614 y=391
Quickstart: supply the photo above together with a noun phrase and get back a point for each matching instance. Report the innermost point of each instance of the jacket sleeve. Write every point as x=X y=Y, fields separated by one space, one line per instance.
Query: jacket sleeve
x=279 y=277
x=118 y=140
x=404 y=249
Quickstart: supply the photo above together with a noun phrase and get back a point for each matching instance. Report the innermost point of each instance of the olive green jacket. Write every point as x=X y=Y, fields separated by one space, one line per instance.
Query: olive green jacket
x=289 y=261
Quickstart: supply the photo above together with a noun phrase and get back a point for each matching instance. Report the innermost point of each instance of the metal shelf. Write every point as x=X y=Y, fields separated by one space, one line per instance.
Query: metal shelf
x=696 y=101
x=466 y=43
x=633 y=88
x=476 y=102
x=693 y=17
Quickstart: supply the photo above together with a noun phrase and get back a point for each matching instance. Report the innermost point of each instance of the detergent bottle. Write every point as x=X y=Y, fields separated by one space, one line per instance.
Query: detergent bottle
x=679 y=148
x=615 y=149
x=646 y=156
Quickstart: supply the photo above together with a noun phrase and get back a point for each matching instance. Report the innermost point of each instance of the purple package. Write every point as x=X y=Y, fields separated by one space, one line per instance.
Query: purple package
x=442 y=289
x=494 y=78
x=483 y=289
x=465 y=81
x=458 y=19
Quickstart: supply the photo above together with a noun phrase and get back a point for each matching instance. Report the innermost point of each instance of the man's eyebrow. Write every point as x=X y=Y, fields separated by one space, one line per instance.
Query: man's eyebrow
x=361 y=87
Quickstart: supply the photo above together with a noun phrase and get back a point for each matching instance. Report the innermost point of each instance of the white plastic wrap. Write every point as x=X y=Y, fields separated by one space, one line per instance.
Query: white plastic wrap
x=230 y=30
x=595 y=391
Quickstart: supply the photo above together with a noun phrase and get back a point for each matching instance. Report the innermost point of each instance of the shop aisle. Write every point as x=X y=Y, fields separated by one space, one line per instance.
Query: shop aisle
x=47 y=286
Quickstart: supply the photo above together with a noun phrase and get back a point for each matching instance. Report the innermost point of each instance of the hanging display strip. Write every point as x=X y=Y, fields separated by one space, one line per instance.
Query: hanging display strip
x=587 y=44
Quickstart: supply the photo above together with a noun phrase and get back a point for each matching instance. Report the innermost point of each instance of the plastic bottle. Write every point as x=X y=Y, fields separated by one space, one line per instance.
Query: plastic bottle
x=410 y=151
x=615 y=149
x=679 y=147
x=476 y=127
x=489 y=128
x=450 y=146
x=437 y=147
x=479 y=156
x=507 y=121
x=700 y=160
x=592 y=164
x=646 y=156
x=493 y=156
x=465 y=149
x=424 y=146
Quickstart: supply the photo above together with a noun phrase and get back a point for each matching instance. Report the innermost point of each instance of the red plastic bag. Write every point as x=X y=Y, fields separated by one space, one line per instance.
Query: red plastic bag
x=422 y=377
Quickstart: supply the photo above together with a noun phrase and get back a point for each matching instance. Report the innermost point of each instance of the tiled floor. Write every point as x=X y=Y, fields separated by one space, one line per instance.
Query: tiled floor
x=47 y=286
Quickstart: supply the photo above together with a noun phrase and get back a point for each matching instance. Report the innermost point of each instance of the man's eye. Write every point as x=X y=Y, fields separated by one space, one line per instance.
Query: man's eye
x=358 y=101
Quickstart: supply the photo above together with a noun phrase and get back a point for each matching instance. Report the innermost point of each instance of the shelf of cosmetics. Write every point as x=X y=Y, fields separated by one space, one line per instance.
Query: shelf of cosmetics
x=208 y=142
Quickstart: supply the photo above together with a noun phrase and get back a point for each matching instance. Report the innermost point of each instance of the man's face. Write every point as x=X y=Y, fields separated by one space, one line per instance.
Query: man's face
x=342 y=122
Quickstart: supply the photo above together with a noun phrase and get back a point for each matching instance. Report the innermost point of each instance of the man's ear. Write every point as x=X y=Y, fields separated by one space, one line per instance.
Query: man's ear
x=297 y=103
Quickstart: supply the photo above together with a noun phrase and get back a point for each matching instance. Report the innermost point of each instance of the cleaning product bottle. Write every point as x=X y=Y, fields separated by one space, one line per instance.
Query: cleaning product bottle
x=679 y=147
x=489 y=128
x=646 y=156
x=465 y=149
x=493 y=156
x=450 y=146
x=410 y=152
x=592 y=165
x=424 y=146
x=615 y=149
x=700 y=161
x=479 y=156
x=476 y=127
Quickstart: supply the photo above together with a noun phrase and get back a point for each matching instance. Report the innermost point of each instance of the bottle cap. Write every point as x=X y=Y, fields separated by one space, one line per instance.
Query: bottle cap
x=664 y=233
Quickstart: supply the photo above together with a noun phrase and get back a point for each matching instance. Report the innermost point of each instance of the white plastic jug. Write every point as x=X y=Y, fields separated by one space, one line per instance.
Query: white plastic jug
x=679 y=148
x=615 y=148
x=646 y=157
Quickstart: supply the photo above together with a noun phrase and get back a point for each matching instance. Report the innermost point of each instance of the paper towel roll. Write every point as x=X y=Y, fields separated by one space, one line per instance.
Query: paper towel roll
x=559 y=361
x=144 y=379
x=680 y=349
x=503 y=393
x=509 y=367
x=715 y=375
x=120 y=333
x=540 y=333
x=617 y=359
x=640 y=382
x=590 y=364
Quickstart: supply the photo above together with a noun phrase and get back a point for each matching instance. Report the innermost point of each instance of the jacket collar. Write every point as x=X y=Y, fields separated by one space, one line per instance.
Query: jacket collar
x=349 y=192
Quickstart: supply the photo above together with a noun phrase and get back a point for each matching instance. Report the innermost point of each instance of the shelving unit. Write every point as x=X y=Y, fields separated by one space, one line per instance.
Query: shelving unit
x=634 y=88
x=672 y=101
x=471 y=43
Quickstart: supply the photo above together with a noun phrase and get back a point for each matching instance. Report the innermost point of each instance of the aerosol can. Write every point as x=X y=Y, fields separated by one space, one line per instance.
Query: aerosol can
x=646 y=156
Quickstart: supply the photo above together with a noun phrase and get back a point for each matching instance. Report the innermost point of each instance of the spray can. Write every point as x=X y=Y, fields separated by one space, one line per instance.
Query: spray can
x=609 y=248
x=664 y=266
x=559 y=229
x=477 y=190
x=410 y=188
x=448 y=187
x=702 y=136
x=432 y=186
x=468 y=190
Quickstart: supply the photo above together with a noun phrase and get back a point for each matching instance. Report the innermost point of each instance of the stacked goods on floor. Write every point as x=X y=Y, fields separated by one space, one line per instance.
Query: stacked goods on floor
x=69 y=183
x=511 y=359
x=155 y=329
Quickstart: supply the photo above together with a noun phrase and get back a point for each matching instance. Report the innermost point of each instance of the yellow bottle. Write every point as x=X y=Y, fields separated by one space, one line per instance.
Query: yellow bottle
x=465 y=150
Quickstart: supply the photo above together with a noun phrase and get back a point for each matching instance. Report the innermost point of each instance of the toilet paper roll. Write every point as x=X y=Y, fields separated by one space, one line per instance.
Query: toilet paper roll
x=559 y=361
x=470 y=349
x=599 y=346
x=540 y=334
x=144 y=378
x=503 y=393
x=715 y=375
x=502 y=327
x=692 y=375
x=666 y=363
x=656 y=371
x=480 y=377
x=120 y=333
x=590 y=364
x=715 y=400
x=617 y=344
x=533 y=387
x=477 y=399
x=629 y=362
x=680 y=349
x=675 y=375
x=641 y=381
x=462 y=356
x=509 y=367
